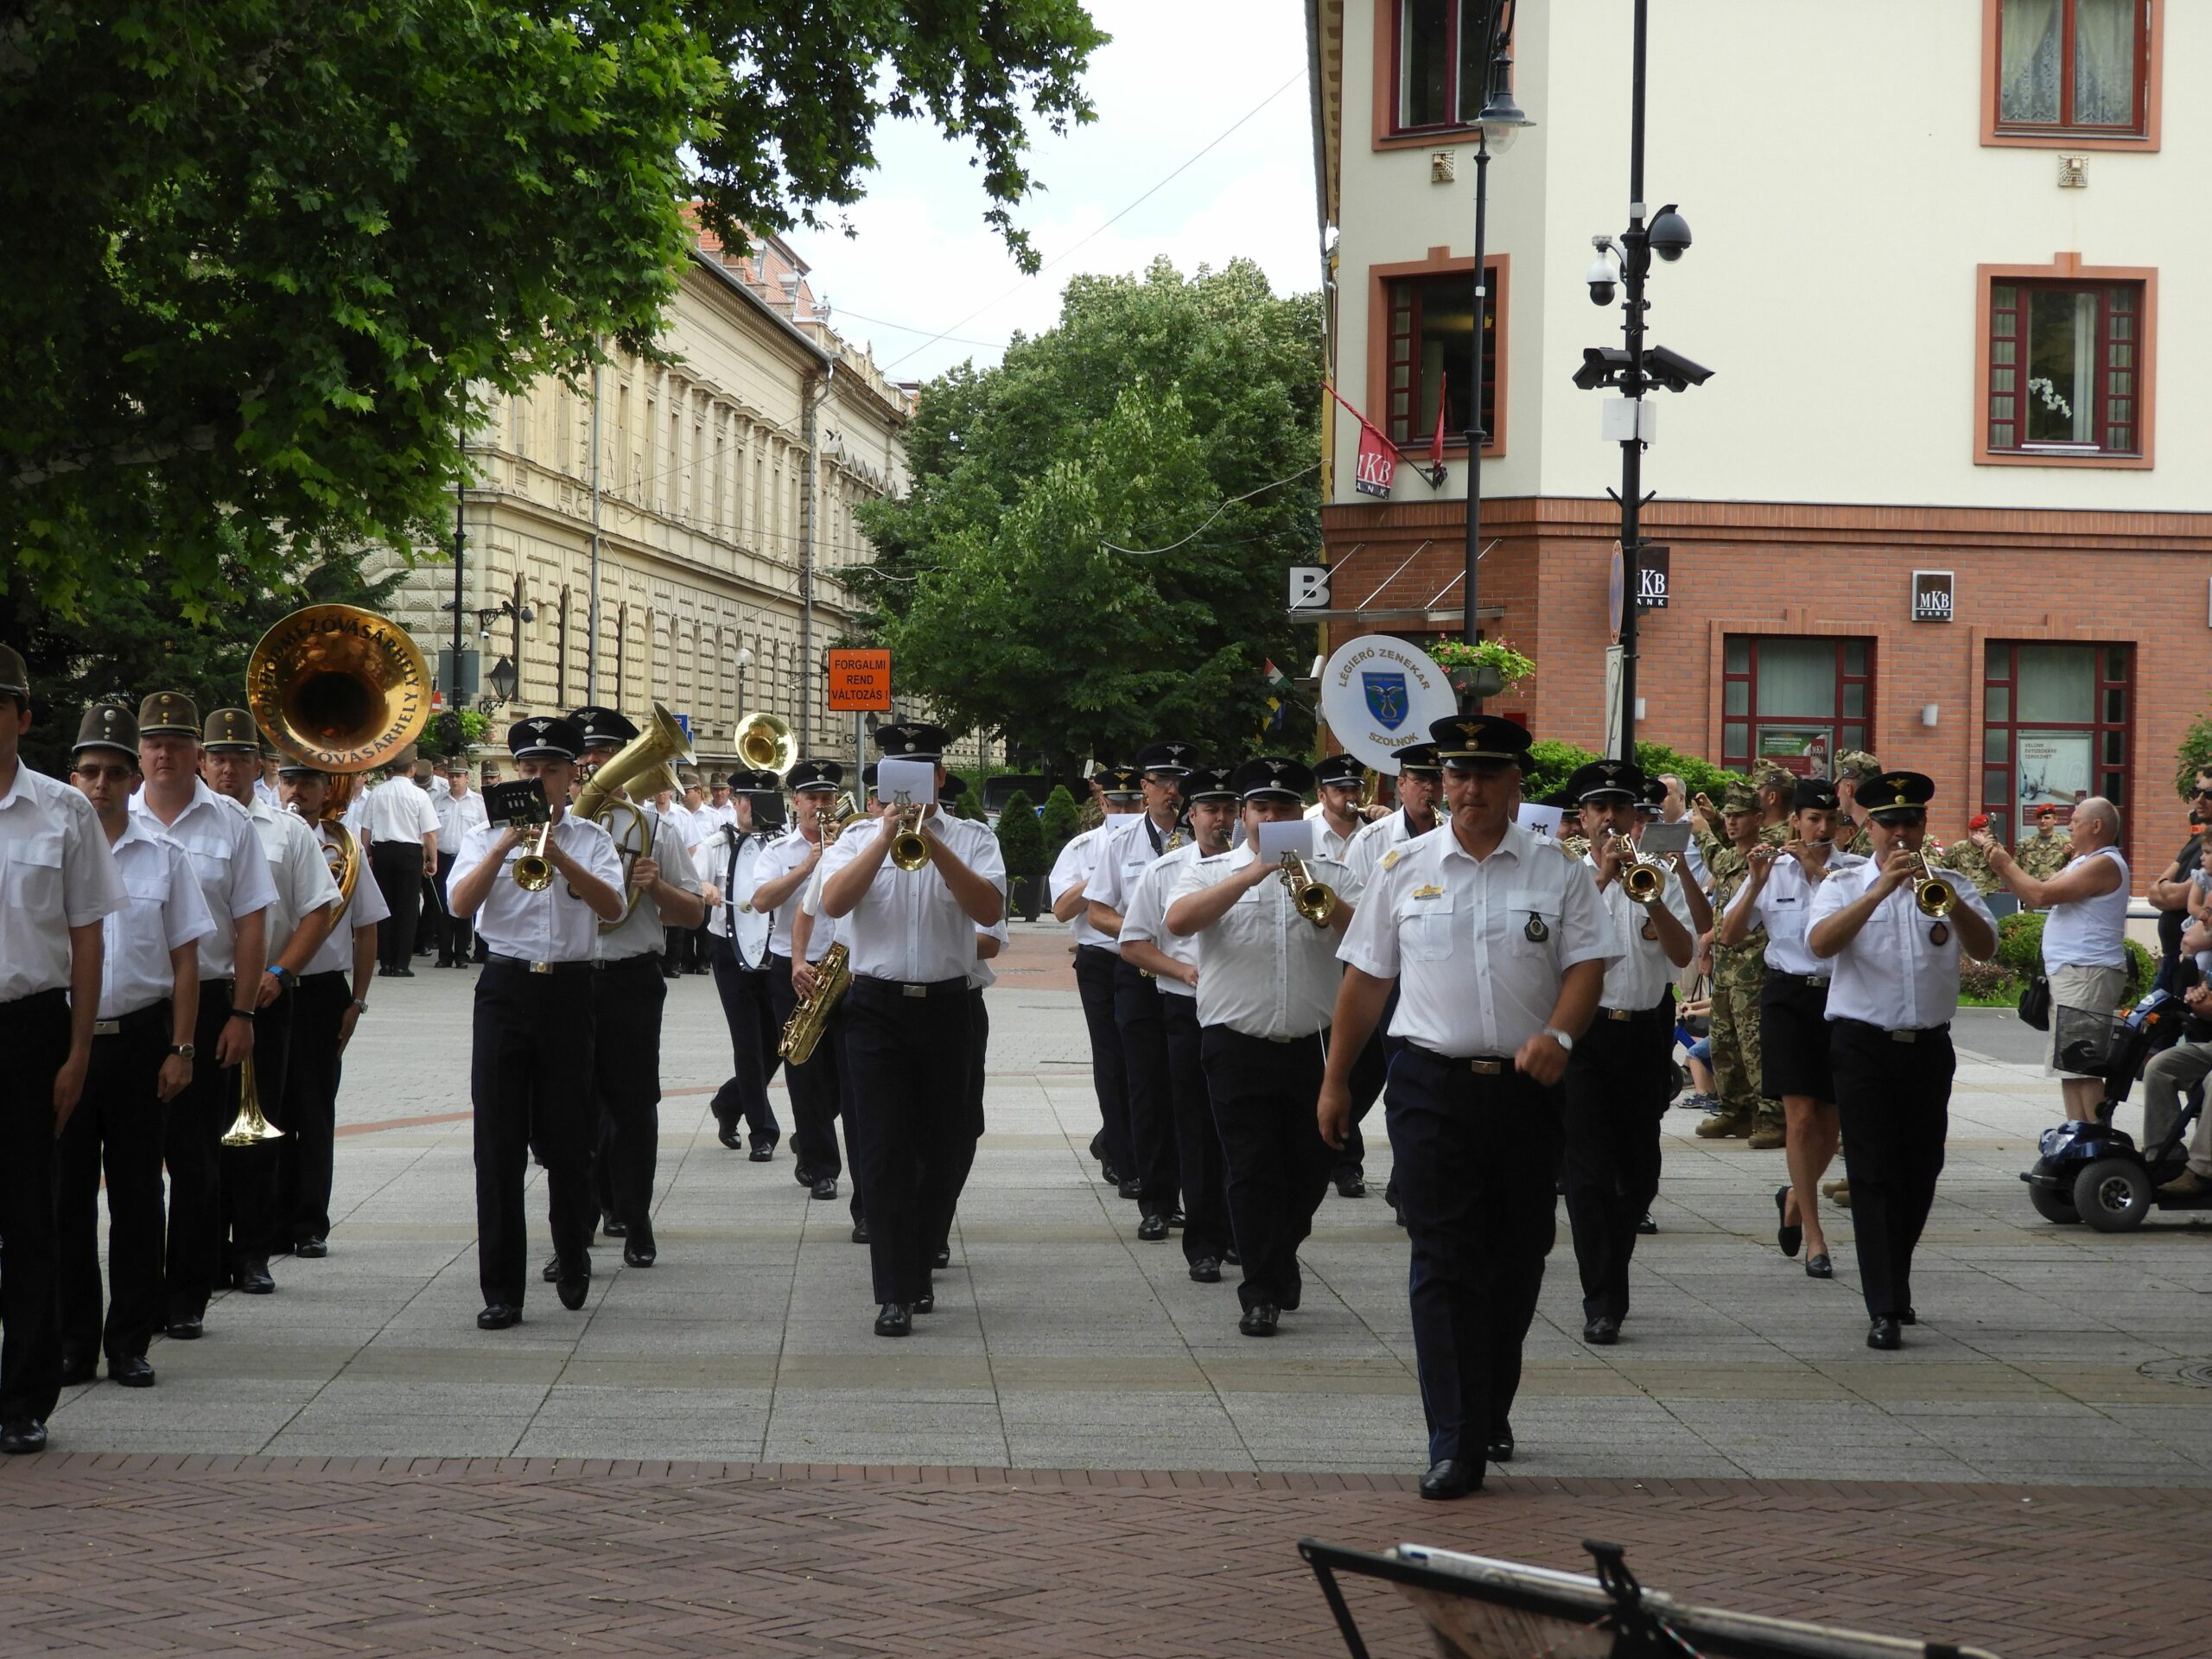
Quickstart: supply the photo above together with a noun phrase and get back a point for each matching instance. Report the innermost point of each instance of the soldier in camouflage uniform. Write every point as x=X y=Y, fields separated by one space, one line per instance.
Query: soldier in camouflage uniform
x=1853 y=767
x=2047 y=852
x=1777 y=786
x=1738 y=972
x=1963 y=856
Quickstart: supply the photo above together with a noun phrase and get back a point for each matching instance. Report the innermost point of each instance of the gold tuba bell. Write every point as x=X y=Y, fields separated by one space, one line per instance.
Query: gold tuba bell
x=643 y=767
x=766 y=744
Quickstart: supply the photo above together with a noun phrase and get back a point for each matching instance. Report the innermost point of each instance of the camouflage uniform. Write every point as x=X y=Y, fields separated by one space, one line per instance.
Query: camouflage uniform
x=1857 y=765
x=2044 y=856
x=1738 y=974
x=1969 y=861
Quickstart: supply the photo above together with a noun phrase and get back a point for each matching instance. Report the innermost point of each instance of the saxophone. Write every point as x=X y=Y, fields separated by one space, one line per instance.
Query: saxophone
x=811 y=1017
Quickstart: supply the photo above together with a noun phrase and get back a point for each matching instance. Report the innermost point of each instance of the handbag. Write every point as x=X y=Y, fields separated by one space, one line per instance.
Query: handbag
x=2035 y=1004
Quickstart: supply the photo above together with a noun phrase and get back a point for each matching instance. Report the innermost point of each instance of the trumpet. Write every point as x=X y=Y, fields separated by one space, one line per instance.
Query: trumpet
x=909 y=851
x=533 y=870
x=1642 y=879
x=1315 y=900
x=251 y=1127
x=1931 y=892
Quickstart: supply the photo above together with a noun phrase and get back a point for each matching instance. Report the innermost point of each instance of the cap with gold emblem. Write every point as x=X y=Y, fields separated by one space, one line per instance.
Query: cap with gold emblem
x=822 y=775
x=1889 y=793
x=601 y=727
x=1119 y=783
x=914 y=742
x=230 y=731
x=1272 y=777
x=1171 y=758
x=1468 y=741
x=1607 y=780
x=1344 y=770
x=1856 y=766
x=545 y=737
x=106 y=727
x=1418 y=759
x=1209 y=783
x=15 y=678
x=169 y=714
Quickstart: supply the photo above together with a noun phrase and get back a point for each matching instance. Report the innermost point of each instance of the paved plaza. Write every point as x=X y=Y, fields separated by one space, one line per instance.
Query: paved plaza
x=1742 y=1436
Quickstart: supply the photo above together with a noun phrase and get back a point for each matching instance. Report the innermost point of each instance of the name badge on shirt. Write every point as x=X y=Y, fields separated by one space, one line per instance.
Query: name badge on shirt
x=1535 y=932
x=1428 y=893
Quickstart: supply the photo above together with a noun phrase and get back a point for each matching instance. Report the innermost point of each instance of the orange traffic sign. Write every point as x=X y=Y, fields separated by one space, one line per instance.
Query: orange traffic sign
x=860 y=681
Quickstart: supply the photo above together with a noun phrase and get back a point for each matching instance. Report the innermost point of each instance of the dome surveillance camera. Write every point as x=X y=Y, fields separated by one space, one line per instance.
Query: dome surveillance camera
x=1601 y=281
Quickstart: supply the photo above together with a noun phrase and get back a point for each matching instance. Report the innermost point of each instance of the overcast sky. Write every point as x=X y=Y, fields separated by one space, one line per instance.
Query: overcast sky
x=1177 y=73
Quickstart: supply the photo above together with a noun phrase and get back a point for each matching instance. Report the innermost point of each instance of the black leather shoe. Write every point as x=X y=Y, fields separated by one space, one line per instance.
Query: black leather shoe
x=1107 y=1172
x=1175 y=1220
x=78 y=1367
x=1883 y=1332
x=1352 y=1182
x=860 y=1232
x=1817 y=1266
x=638 y=1248
x=803 y=1175
x=1647 y=1226
x=1260 y=1320
x=942 y=1258
x=1784 y=1235
x=252 y=1275
x=182 y=1329
x=1131 y=1188
x=552 y=1272
x=312 y=1249
x=1499 y=1447
x=1603 y=1332
x=826 y=1187
x=30 y=1435
x=403 y=973
x=1908 y=1318
x=1229 y=1258
x=575 y=1287
x=1152 y=1229
x=614 y=1226
x=761 y=1154
x=894 y=1319
x=136 y=1372
x=1206 y=1271
x=727 y=1133
x=497 y=1316
x=925 y=1303
x=1447 y=1480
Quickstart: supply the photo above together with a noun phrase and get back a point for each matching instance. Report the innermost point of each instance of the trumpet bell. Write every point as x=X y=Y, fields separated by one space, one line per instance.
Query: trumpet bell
x=1934 y=895
x=338 y=688
x=252 y=1125
x=908 y=850
x=766 y=744
x=1642 y=882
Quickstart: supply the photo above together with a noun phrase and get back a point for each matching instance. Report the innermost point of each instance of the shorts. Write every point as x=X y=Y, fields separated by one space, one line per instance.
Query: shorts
x=2076 y=986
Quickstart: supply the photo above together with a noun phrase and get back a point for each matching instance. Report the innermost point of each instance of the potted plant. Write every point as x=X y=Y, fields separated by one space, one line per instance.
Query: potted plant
x=1488 y=669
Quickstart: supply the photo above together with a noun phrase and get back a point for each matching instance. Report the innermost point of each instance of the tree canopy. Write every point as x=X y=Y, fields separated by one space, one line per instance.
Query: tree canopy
x=263 y=257
x=1092 y=553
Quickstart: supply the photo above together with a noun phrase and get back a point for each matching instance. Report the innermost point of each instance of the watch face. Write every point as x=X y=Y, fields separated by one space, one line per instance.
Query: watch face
x=184 y=1051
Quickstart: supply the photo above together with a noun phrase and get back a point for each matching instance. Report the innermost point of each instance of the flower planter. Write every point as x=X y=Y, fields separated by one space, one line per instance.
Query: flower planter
x=1475 y=683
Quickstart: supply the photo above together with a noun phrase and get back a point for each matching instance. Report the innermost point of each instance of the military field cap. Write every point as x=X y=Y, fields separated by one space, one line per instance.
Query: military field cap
x=270 y=751
x=230 y=731
x=1272 y=777
x=1895 y=792
x=1418 y=757
x=1740 y=795
x=601 y=727
x=824 y=775
x=1471 y=741
x=291 y=768
x=915 y=742
x=1607 y=780
x=1776 y=777
x=1171 y=758
x=545 y=737
x=14 y=676
x=425 y=770
x=1119 y=783
x=1814 y=795
x=718 y=780
x=106 y=727
x=169 y=714
x=1341 y=769
x=690 y=777
x=744 y=781
x=1856 y=766
x=1209 y=783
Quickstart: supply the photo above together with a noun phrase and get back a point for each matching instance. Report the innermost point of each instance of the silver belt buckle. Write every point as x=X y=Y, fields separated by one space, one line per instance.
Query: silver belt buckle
x=913 y=990
x=1487 y=1068
x=107 y=1028
x=541 y=967
x=1816 y=980
x=1904 y=1036
x=1617 y=1014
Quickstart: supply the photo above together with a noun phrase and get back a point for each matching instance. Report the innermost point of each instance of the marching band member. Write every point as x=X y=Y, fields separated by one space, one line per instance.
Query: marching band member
x=785 y=866
x=738 y=939
x=1777 y=896
x=1338 y=781
x=1268 y=978
x=806 y=922
x=628 y=991
x=1498 y=950
x=1119 y=793
x=241 y=898
x=1136 y=839
x=531 y=1076
x=331 y=997
x=58 y=885
x=911 y=934
x=989 y=941
x=1148 y=946
x=1617 y=1077
x=306 y=906
x=140 y=1057
x=1894 y=989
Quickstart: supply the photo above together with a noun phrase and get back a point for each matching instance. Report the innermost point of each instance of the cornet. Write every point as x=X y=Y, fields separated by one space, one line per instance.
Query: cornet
x=1642 y=879
x=909 y=851
x=1931 y=892
x=1315 y=900
x=533 y=870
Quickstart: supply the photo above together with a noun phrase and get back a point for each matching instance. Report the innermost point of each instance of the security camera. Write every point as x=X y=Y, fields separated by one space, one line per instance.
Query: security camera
x=1674 y=370
x=1670 y=235
x=1600 y=276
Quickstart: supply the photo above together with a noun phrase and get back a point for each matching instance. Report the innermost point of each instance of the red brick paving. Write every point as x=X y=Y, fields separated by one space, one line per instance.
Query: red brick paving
x=432 y=1556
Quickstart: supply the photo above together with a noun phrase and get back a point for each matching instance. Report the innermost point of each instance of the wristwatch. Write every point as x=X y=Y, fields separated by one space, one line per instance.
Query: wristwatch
x=1559 y=1037
x=361 y=1004
x=279 y=972
x=183 y=1051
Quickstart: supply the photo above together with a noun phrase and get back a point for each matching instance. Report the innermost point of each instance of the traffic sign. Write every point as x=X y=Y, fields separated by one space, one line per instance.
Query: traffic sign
x=860 y=681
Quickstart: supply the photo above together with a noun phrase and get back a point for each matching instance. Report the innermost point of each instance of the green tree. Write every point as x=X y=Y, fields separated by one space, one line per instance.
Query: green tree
x=969 y=806
x=1551 y=763
x=1059 y=822
x=1092 y=552
x=2194 y=756
x=263 y=259
x=1698 y=774
x=1022 y=844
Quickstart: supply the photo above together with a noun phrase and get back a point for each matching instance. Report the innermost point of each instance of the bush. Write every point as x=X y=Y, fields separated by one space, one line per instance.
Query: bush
x=2019 y=943
x=2194 y=756
x=1022 y=839
x=1698 y=776
x=1059 y=822
x=2142 y=969
x=1987 y=982
x=1551 y=762
x=969 y=806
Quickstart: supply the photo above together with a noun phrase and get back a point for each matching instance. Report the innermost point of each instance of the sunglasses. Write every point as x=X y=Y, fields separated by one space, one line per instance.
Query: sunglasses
x=2202 y=794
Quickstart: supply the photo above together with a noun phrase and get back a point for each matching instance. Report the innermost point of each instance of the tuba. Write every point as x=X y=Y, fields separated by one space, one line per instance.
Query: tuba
x=642 y=768
x=343 y=690
x=811 y=1017
x=765 y=743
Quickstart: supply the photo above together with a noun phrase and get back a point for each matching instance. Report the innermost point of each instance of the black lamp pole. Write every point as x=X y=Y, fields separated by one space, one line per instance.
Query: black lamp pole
x=1635 y=266
x=1476 y=433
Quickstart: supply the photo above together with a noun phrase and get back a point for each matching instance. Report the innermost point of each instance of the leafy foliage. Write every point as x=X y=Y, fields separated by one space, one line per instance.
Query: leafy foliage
x=1005 y=587
x=1551 y=763
x=265 y=258
x=2194 y=756
x=2019 y=943
x=1698 y=774
x=454 y=732
x=969 y=806
x=1021 y=839
x=1058 y=821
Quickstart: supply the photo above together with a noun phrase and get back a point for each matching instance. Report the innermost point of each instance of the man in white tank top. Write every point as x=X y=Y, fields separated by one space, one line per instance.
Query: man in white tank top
x=2084 y=937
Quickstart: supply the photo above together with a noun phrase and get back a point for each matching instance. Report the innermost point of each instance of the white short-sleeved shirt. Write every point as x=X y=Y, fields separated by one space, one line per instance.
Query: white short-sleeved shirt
x=366 y=909
x=732 y=860
x=1079 y=861
x=1133 y=846
x=1894 y=973
x=907 y=926
x=1639 y=974
x=233 y=871
x=1784 y=908
x=1145 y=917
x=1264 y=971
x=164 y=910
x=457 y=816
x=297 y=867
x=397 y=810
x=778 y=860
x=980 y=974
x=1478 y=946
x=641 y=933
x=1376 y=839
x=1327 y=843
x=56 y=872
x=551 y=924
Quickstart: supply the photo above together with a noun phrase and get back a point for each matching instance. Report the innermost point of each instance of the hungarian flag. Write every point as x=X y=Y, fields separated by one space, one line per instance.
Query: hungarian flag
x=1378 y=457
x=1436 y=443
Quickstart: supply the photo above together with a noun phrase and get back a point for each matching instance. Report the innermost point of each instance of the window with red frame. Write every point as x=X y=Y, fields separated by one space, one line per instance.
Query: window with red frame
x=2072 y=66
x=1431 y=327
x=2065 y=368
x=2054 y=729
x=1798 y=704
x=1442 y=80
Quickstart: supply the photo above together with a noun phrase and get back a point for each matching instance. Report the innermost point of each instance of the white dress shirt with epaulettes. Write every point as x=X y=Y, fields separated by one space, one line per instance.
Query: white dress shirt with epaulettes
x=165 y=910
x=297 y=867
x=1132 y=846
x=908 y=927
x=1377 y=838
x=1079 y=861
x=1145 y=920
x=641 y=931
x=778 y=860
x=551 y=924
x=1478 y=946
x=1264 y=971
x=1894 y=973
x=1639 y=976
x=1784 y=908
x=233 y=872
x=366 y=909
x=56 y=872
x=457 y=816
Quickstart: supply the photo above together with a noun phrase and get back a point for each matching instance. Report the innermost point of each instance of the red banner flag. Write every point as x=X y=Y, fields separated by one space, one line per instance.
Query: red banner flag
x=1436 y=443
x=1378 y=457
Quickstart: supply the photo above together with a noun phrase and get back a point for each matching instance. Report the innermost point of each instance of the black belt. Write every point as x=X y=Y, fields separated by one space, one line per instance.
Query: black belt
x=36 y=1002
x=1904 y=1035
x=905 y=987
x=498 y=961
x=136 y=1020
x=1630 y=1013
x=1483 y=1066
x=1810 y=982
x=648 y=959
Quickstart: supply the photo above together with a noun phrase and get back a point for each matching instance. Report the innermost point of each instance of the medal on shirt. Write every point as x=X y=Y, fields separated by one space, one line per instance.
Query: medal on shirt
x=1939 y=934
x=1535 y=932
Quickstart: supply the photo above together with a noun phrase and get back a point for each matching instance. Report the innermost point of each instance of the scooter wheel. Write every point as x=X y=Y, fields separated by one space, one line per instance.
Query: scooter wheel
x=2112 y=1195
x=2054 y=1206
